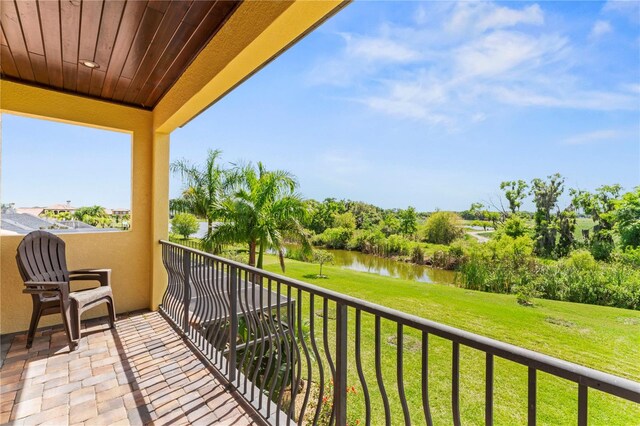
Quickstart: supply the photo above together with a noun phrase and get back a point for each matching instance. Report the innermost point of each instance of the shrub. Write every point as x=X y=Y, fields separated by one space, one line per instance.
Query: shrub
x=345 y=220
x=627 y=215
x=442 y=228
x=515 y=227
x=601 y=249
x=336 y=238
x=184 y=224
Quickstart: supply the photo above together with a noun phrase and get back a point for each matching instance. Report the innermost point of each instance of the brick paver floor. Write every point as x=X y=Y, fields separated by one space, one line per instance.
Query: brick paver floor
x=139 y=373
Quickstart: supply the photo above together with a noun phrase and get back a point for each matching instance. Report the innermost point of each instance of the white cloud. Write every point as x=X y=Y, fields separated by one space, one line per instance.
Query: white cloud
x=502 y=51
x=571 y=98
x=627 y=8
x=379 y=49
x=483 y=16
x=469 y=57
x=600 y=28
x=591 y=137
x=503 y=17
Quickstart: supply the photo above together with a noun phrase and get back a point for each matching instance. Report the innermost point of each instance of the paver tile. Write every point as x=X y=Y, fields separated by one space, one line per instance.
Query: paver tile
x=139 y=373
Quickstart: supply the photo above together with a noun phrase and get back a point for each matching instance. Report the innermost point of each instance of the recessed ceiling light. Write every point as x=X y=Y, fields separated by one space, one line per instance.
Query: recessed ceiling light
x=89 y=64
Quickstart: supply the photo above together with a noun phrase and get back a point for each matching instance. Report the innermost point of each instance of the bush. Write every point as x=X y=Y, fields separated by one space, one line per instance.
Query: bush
x=515 y=227
x=627 y=215
x=184 y=224
x=442 y=228
x=335 y=238
x=507 y=266
x=601 y=249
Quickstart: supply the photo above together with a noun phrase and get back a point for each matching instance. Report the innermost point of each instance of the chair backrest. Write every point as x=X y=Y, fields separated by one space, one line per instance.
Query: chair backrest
x=41 y=257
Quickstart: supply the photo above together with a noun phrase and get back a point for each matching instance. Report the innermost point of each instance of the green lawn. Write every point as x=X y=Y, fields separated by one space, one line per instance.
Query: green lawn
x=603 y=338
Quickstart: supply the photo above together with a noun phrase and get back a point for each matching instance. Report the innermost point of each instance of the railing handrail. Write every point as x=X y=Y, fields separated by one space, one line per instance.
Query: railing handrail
x=609 y=383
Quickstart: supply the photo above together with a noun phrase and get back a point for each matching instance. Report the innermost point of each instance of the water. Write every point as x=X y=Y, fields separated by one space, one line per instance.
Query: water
x=361 y=262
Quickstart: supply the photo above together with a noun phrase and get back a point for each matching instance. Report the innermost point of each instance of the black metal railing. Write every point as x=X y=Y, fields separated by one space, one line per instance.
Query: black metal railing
x=290 y=348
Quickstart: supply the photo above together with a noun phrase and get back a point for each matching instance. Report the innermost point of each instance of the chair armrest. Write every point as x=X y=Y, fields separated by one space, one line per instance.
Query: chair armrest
x=103 y=276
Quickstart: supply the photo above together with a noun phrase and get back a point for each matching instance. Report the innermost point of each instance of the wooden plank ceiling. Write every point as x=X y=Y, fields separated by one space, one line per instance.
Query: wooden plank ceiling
x=140 y=47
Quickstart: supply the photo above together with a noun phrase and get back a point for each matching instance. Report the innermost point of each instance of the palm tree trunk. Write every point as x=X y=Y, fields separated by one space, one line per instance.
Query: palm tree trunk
x=261 y=253
x=252 y=253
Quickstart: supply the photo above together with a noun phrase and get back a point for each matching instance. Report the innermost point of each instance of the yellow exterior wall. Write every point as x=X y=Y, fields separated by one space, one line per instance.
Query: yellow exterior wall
x=128 y=254
x=160 y=216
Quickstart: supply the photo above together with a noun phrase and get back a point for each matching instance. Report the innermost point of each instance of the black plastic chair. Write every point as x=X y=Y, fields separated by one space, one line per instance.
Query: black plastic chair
x=43 y=267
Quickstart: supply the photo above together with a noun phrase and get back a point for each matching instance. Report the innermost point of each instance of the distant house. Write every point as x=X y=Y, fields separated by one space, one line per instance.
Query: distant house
x=120 y=212
x=59 y=208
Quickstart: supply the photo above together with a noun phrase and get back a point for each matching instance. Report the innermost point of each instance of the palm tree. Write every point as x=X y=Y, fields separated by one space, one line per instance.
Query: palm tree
x=203 y=187
x=261 y=210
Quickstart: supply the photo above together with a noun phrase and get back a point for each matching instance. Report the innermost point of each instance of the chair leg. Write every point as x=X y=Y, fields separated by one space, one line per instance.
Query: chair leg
x=35 y=319
x=77 y=326
x=112 y=312
x=69 y=325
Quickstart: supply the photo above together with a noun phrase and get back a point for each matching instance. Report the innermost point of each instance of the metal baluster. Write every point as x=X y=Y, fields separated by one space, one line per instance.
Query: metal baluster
x=383 y=393
x=297 y=371
x=363 y=381
x=340 y=381
x=233 y=320
x=400 y=374
x=488 y=408
x=307 y=358
x=455 y=383
x=583 y=407
x=316 y=352
x=425 y=378
x=327 y=352
x=186 y=296
x=532 y=397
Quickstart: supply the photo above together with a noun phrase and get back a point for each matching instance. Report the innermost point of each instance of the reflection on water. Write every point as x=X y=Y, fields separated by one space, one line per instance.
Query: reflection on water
x=357 y=261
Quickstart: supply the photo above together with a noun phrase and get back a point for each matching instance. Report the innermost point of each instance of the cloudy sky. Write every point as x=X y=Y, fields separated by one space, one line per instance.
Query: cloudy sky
x=433 y=104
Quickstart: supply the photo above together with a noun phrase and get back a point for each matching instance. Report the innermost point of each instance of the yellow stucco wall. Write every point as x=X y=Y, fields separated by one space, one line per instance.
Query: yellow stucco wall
x=128 y=254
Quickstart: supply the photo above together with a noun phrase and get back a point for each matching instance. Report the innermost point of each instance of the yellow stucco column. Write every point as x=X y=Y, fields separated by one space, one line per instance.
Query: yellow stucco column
x=159 y=215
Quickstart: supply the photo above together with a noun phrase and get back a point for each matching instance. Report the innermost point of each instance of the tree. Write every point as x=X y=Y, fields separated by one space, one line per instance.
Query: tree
x=515 y=192
x=322 y=214
x=627 y=216
x=203 y=187
x=442 y=228
x=600 y=206
x=184 y=224
x=408 y=221
x=321 y=257
x=345 y=220
x=545 y=197
x=367 y=215
x=262 y=210
x=93 y=215
x=566 y=227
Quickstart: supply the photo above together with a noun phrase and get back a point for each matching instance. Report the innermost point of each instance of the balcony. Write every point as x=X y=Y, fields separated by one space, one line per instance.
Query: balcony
x=232 y=344
x=217 y=342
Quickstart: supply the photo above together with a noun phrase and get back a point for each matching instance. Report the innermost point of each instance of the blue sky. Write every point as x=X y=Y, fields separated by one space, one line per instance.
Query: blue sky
x=47 y=162
x=433 y=104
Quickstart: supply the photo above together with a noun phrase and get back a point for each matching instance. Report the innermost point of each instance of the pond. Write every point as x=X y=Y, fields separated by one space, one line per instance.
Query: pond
x=357 y=261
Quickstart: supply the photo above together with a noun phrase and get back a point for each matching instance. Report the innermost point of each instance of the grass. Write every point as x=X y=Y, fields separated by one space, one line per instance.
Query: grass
x=603 y=338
